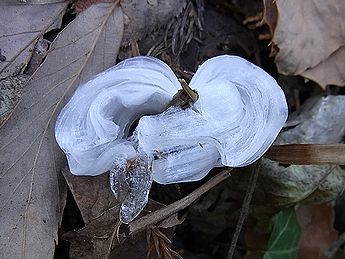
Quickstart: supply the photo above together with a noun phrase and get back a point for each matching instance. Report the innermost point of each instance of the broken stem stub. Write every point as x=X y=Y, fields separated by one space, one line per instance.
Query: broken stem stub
x=185 y=97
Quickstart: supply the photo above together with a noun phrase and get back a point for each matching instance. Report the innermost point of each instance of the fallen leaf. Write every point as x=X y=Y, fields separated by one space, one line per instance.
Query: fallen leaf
x=92 y=195
x=140 y=17
x=96 y=239
x=283 y=242
x=330 y=71
x=99 y=237
x=214 y=213
x=318 y=233
x=21 y=25
x=30 y=160
x=308 y=33
x=100 y=212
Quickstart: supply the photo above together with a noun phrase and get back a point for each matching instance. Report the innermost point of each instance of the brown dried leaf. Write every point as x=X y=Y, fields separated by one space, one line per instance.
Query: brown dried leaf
x=92 y=195
x=100 y=211
x=30 y=160
x=318 y=233
x=96 y=239
x=20 y=27
x=99 y=236
x=329 y=72
x=307 y=34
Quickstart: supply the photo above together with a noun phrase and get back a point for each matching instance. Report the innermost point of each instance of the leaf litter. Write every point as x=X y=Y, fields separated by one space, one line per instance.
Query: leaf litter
x=36 y=140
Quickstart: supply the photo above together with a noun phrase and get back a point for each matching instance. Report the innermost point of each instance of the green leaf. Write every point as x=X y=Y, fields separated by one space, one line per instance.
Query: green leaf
x=283 y=242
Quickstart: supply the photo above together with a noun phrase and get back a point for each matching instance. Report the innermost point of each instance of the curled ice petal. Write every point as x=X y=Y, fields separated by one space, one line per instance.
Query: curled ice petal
x=240 y=112
x=260 y=105
x=91 y=129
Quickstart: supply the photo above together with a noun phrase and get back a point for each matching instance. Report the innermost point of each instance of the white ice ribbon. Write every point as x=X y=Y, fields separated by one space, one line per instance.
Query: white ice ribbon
x=239 y=113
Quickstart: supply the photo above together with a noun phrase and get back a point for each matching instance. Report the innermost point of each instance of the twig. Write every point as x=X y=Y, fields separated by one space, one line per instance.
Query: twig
x=161 y=214
x=308 y=154
x=135 y=48
x=244 y=210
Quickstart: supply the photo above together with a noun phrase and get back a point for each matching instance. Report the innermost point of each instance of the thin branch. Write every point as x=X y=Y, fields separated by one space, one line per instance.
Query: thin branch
x=307 y=154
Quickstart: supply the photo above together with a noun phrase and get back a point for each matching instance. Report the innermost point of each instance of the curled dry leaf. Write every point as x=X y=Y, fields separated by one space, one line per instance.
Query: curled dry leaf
x=30 y=160
x=310 y=35
x=21 y=25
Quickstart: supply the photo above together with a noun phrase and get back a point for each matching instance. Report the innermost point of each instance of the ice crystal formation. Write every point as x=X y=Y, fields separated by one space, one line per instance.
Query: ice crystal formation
x=239 y=112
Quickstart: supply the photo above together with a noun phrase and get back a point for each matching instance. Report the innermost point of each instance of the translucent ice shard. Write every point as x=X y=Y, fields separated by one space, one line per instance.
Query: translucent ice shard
x=239 y=112
x=131 y=182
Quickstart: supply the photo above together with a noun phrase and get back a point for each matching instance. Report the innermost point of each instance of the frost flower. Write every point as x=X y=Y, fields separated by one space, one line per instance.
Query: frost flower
x=239 y=112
